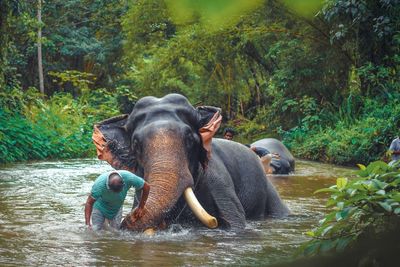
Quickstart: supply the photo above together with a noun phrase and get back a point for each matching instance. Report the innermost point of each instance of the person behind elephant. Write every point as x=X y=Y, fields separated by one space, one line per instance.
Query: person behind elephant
x=394 y=149
x=265 y=156
x=283 y=161
x=107 y=196
x=228 y=133
x=260 y=151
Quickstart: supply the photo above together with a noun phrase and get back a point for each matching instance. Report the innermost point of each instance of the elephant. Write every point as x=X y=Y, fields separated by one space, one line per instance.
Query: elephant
x=193 y=177
x=284 y=163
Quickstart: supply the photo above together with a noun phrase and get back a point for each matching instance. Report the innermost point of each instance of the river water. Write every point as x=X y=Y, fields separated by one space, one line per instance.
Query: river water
x=42 y=222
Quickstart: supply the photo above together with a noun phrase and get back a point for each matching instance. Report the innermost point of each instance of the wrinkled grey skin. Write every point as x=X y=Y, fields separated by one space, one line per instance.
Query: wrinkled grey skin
x=286 y=163
x=234 y=186
x=160 y=140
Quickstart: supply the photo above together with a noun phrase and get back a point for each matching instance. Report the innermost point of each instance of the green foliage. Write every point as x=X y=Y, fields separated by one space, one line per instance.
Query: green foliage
x=79 y=81
x=76 y=78
x=60 y=127
x=351 y=138
x=360 y=205
x=50 y=130
x=305 y=8
x=259 y=62
x=276 y=74
x=217 y=14
x=213 y=14
x=325 y=79
x=77 y=35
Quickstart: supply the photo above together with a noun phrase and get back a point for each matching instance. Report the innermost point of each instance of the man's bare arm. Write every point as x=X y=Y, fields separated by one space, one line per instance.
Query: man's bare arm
x=145 y=194
x=88 y=209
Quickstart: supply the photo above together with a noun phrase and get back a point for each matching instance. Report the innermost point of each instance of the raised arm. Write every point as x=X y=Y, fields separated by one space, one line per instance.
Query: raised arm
x=88 y=209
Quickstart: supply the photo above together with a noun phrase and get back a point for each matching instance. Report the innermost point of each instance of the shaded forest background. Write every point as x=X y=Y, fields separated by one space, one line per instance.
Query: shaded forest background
x=323 y=78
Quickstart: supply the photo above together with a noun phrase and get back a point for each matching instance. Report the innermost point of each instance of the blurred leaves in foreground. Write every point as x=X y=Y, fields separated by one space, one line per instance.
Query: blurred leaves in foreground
x=221 y=13
x=217 y=14
x=362 y=206
x=306 y=8
x=212 y=13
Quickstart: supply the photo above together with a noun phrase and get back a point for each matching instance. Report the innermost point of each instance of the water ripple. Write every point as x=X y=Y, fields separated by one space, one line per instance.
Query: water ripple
x=42 y=222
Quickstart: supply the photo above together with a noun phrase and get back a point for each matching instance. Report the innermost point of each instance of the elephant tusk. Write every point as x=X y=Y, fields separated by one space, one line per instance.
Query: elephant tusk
x=149 y=231
x=198 y=210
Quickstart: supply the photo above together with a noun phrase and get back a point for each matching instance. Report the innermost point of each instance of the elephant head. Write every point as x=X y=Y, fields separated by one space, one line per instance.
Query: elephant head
x=166 y=140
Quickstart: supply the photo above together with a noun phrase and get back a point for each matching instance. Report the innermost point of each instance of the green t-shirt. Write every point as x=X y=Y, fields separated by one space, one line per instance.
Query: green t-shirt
x=109 y=202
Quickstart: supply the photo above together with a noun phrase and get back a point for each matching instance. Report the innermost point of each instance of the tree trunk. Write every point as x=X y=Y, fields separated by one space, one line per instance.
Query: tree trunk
x=39 y=47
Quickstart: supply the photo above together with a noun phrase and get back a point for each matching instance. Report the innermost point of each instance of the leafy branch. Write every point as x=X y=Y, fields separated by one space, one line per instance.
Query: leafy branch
x=364 y=203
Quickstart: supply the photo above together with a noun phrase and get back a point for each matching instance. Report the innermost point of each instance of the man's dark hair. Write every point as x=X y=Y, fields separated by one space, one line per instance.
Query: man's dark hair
x=248 y=145
x=115 y=187
x=229 y=130
x=114 y=175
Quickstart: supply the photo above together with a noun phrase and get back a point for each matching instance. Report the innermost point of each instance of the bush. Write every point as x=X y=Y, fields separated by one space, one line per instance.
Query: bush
x=60 y=127
x=348 y=140
x=363 y=205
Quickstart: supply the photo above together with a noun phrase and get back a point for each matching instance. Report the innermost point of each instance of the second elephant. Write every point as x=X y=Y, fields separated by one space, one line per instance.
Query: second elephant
x=284 y=163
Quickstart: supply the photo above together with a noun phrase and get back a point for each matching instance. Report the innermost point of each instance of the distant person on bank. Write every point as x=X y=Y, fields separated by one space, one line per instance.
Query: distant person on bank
x=108 y=195
x=394 y=149
x=228 y=134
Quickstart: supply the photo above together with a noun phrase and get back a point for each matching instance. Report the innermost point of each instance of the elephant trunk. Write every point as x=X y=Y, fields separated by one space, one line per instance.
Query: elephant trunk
x=166 y=186
x=167 y=171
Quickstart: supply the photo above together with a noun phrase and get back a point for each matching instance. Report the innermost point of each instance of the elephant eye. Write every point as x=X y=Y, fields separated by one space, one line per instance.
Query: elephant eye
x=190 y=138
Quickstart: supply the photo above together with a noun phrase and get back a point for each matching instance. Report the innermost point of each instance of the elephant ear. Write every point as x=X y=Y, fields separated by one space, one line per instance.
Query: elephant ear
x=209 y=119
x=112 y=142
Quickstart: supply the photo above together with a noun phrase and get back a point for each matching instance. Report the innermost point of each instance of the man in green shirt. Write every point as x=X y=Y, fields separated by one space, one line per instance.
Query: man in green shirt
x=107 y=196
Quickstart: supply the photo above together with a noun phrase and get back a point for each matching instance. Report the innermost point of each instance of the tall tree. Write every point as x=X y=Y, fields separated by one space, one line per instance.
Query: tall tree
x=39 y=47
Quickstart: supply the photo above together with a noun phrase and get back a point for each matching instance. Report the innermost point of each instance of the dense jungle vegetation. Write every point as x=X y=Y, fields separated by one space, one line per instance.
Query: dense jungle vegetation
x=322 y=76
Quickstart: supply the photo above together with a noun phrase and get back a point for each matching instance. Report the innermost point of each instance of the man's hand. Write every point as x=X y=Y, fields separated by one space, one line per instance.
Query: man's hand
x=276 y=155
x=138 y=213
x=145 y=194
x=140 y=210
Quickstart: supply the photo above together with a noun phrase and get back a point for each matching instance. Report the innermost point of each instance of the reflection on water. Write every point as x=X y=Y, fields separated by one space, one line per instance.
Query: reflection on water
x=42 y=222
